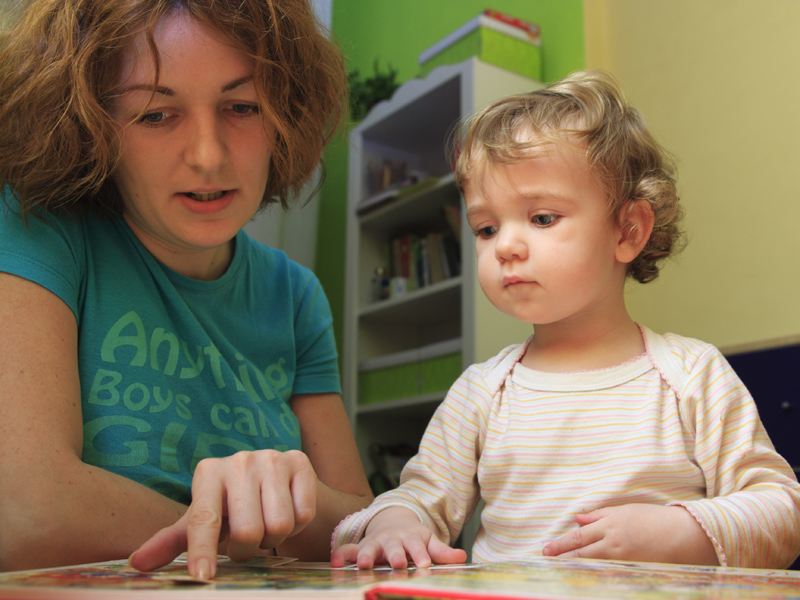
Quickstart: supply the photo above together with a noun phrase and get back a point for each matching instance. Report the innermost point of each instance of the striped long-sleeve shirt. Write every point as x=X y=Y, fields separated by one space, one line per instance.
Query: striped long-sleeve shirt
x=675 y=426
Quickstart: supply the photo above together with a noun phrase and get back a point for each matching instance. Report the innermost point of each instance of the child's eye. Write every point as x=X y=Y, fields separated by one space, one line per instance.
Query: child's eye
x=544 y=220
x=486 y=232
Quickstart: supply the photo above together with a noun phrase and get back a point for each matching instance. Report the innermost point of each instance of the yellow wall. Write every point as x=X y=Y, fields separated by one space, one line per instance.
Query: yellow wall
x=719 y=83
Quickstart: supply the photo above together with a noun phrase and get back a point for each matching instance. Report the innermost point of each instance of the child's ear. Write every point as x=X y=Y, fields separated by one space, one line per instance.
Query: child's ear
x=635 y=227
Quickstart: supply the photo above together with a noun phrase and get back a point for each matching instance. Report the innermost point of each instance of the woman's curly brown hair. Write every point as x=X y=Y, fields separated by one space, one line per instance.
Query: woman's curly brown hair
x=59 y=64
x=590 y=108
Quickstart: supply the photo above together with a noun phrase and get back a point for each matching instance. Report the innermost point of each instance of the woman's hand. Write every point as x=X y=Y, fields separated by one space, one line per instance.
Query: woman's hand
x=240 y=504
x=640 y=532
x=267 y=498
x=393 y=536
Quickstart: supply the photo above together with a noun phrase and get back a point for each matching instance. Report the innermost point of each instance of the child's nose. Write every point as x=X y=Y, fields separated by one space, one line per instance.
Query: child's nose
x=511 y=244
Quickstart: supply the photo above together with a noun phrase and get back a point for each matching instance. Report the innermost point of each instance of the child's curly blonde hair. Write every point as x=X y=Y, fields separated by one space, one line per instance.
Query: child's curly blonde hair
x=59 y=65
x=588 y=107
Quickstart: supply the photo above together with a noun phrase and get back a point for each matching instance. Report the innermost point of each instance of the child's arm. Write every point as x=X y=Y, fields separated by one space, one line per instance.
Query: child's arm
x=752 y=508
x=438 y=489
x=393 y=536
x=642 y=532
x=751 y=512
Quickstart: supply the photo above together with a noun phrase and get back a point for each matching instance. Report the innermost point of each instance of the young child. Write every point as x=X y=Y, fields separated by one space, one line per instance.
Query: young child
x=596 y=437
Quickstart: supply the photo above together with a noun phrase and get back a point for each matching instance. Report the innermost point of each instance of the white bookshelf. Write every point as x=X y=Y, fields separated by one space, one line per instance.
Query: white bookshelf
x=414 y=126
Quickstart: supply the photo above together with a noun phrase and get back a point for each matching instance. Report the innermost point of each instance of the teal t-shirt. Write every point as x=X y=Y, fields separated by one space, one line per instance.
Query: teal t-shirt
x=172 y=369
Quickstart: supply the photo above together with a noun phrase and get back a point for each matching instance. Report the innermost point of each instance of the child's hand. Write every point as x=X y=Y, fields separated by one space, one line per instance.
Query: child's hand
x=393 y=536
x=640 y=532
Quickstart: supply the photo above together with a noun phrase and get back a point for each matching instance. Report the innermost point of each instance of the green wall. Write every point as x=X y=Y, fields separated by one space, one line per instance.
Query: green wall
x=395 y=33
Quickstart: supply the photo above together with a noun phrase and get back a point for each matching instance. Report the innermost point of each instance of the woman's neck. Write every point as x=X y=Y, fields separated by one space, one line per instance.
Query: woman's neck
x=204 y=264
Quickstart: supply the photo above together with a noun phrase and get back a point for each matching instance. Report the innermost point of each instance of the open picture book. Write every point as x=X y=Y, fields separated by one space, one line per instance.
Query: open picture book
x=272 y=577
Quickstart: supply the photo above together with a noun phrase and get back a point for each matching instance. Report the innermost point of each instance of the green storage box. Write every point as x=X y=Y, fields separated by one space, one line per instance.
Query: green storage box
x=494 y=38
x=426 y=370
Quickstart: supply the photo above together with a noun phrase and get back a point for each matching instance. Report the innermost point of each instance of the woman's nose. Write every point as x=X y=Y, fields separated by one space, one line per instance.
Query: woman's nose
x=207 y=148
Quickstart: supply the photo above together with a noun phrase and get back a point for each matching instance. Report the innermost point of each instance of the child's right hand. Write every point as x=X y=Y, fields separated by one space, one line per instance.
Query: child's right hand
x=393 y=536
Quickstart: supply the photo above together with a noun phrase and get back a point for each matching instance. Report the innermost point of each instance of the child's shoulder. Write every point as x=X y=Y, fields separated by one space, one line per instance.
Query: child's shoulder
x=678 y=356
x=495 y=370
x=685 y=349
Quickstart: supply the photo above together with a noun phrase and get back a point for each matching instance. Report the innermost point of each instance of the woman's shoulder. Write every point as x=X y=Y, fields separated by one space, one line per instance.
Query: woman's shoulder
x=49 y=249
x=263 y=258
x=35 y=222
x=39 y=236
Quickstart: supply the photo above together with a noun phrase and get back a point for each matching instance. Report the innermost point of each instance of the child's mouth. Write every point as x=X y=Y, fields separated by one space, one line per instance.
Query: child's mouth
x=207 y=196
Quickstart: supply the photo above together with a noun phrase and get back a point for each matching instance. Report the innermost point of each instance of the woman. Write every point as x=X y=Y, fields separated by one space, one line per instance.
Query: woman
x=153 y=355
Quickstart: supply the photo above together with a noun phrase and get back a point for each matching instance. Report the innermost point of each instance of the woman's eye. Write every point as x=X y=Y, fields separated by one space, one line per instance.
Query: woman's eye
x=245 y=109
x=153 y=118
x=544 y=220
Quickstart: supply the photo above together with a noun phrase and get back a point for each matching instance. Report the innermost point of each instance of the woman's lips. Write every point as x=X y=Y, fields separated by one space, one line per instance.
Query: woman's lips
x=205 y=196
x=208 y=203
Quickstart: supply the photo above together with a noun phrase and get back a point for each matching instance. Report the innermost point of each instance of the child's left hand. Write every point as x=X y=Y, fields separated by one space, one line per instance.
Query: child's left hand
x=639 y=532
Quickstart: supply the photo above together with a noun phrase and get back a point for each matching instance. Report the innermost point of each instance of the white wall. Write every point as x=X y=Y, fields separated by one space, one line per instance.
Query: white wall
x=295 y=231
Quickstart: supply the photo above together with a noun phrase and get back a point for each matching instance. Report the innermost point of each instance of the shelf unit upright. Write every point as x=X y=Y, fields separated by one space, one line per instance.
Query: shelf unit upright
x=413 y=127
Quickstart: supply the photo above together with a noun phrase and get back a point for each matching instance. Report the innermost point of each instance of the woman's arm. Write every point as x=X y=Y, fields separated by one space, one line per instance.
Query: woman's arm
x=55 y=509
x=342 y=486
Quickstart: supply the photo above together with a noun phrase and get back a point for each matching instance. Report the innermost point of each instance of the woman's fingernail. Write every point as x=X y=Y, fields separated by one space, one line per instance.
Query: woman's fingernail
x=202 y=569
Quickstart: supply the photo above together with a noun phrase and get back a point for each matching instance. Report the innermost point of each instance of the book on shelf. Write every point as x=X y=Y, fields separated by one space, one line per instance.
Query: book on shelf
x=415 y=272
x=423 y=260
x=395 y=257
x=436 y=258
x=537 y=578
x=406 y=261
x=452 y=256
x=423 y=275
x=452 y=213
